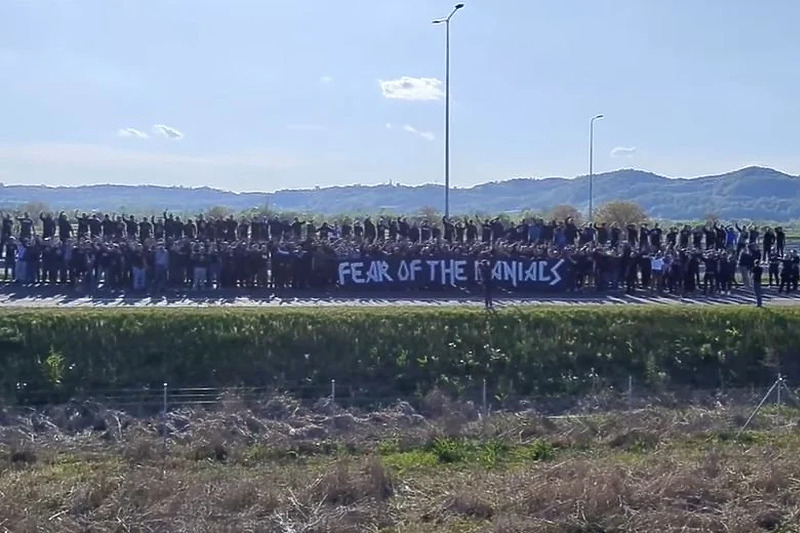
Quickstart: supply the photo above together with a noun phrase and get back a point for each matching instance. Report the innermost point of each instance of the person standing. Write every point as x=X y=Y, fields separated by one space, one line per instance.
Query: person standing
x=26 y=229
x=780 y=240
x=486 y=279
x=710 y=281
x=11 y=259
x=774 y=270
x=746 y=262
x=769 y=241
x=756 y=272
x=786 y=275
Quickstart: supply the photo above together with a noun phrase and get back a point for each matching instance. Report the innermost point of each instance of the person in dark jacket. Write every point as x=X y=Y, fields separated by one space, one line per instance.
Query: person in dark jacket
x=487 y=282
x=756 y=273
x=780 y=240
x=769 y=242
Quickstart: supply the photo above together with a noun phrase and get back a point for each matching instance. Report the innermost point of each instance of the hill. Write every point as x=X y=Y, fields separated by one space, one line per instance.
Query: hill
x=750 y=193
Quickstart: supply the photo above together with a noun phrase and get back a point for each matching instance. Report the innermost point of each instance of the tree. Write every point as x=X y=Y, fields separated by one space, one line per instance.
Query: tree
x=429 y=213
x=531 y=213
x=563 y=212
x=218 y=212
x=34 y=208
x=621 y=213
x=263 y=210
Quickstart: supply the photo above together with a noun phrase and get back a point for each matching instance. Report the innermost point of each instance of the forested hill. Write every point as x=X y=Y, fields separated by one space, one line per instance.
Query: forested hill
x=751 y=193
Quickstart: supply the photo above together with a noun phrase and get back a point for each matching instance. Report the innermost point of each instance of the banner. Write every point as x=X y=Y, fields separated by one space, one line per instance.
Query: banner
x=395 y=273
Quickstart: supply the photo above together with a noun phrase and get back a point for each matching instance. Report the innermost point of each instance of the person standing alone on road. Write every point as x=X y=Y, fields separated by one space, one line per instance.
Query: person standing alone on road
x=756 y=272
x=486 y=279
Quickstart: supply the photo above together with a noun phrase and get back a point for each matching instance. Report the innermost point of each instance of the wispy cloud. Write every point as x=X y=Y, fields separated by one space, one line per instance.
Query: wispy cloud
x=427 y=135
x=132 y=132
x=407 y=88
x=623 y=151
x=326 y=79
x=168 y=131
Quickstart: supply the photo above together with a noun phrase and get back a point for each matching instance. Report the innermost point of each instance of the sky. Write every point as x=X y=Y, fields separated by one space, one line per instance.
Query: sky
x=260 y=95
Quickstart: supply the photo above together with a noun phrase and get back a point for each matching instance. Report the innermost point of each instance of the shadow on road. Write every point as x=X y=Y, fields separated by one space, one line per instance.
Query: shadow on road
x=49 y=295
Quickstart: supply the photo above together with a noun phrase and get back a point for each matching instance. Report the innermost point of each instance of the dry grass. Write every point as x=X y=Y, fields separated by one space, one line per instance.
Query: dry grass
x=280 y=467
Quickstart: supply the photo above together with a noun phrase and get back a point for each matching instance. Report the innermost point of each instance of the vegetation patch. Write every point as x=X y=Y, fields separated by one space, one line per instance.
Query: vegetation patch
x=51 y=355
x=654 y=470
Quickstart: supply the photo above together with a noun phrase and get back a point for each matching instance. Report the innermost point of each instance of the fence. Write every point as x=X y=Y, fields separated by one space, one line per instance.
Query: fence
x=482 y=396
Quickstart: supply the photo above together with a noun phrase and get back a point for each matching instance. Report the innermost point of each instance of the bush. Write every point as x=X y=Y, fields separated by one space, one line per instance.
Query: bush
x=449 y=450
x=391 y=352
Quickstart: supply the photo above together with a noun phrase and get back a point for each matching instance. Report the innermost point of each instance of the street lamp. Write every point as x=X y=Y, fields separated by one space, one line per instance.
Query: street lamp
x=446 y=22
x=591 y=166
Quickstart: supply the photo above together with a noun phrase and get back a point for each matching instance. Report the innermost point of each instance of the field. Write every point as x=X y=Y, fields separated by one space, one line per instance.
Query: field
x=278 y=465
x=270 y=462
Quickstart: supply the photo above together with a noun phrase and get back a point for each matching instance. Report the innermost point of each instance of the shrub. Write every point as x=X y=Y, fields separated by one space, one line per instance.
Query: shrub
x=449 y=450
x=392 y=352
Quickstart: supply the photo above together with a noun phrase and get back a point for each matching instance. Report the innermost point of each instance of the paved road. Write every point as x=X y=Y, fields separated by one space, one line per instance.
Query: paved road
x=11 y=296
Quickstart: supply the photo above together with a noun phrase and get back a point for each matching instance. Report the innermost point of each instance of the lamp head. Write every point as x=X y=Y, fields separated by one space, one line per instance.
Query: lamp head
x=459 y=6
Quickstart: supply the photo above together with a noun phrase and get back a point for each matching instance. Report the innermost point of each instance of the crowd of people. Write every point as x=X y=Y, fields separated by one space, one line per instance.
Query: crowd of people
x=158 y=253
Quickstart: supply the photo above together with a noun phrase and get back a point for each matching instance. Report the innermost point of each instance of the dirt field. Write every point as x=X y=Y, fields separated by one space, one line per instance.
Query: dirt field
x=281 y=466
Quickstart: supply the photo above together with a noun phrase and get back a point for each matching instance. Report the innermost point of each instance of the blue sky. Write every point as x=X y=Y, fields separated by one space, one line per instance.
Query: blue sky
x=263 y=94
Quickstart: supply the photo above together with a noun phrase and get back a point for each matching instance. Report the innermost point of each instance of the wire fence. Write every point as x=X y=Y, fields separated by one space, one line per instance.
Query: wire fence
x=482 y=396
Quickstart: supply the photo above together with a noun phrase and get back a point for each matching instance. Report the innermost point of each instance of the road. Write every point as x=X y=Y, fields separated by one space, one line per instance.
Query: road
x=11 y=296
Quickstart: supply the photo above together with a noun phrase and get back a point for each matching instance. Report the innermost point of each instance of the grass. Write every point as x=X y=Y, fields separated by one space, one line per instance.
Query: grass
x=53 y=355
x=238 y=470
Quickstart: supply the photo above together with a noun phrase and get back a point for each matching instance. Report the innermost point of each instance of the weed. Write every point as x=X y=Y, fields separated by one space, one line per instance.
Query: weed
x=493 y=452
x=419 y=459
x=538 y=450
x=449 y=450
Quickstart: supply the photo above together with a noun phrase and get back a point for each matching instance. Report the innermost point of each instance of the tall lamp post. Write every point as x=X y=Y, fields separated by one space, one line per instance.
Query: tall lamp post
x=446 y=22
x=591 y=166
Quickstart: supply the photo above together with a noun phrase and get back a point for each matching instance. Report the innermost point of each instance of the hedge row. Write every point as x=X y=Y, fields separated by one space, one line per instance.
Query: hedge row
x=396 y=351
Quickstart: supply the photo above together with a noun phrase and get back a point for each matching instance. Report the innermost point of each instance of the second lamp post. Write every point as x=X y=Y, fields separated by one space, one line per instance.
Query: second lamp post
x=591 y=166
x=446 y=22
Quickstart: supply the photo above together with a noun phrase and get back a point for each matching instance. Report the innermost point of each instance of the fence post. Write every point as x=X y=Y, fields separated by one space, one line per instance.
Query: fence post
x=164 y=412
x=333 y=391
x=483 y=399
x=780 y=386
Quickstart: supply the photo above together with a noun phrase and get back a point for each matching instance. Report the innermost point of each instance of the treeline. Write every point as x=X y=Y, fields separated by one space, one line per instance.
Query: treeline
x=386 y=352
x=615 y=212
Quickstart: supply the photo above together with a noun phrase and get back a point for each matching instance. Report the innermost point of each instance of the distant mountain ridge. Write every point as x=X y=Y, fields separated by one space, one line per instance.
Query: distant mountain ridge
x=750 y=193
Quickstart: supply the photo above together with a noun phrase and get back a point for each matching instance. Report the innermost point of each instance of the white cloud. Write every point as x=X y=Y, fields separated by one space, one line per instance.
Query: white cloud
x=168 y=132
x=326 y=79
x=132 y=132
x=389 y=125
x=427 y=135
x=623 y=151
x=407 y=88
